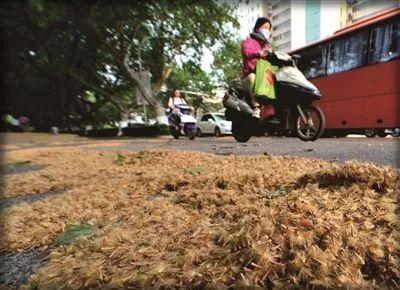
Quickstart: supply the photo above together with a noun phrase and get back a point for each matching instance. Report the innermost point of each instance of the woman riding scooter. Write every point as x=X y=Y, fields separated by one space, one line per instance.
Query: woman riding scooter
x=175 y=99
x=272 y=86
x=253 y=48
x=173 y=105
x=181 y=120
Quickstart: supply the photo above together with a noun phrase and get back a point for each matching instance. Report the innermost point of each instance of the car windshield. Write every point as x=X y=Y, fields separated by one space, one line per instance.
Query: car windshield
x=219 y=117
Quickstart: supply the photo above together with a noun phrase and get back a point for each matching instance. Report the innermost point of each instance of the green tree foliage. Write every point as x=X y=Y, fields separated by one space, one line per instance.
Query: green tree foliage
x=191 y=77
x=56 y=51
x=227 y=63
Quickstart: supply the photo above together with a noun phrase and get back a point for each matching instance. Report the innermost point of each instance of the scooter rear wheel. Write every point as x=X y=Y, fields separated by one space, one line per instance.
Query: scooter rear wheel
x=190 y=130
x=192 y=134
x=175 y=133
x=240 y=132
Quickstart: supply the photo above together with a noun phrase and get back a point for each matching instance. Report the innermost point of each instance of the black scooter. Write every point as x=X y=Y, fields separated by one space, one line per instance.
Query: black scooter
x=293 y=105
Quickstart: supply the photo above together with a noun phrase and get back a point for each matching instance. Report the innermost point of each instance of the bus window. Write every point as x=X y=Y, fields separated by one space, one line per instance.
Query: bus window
x=385 y=43
x=347 y=53
x=312 y=62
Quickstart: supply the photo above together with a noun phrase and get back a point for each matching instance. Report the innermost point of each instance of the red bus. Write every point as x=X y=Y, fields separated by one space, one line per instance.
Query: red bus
x=357 y=70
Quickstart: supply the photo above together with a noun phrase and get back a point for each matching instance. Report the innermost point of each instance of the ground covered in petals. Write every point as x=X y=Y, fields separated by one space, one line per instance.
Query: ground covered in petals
x=186 y=219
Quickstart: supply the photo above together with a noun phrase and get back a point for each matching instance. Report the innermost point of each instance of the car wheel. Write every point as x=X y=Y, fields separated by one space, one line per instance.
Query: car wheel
x=217 y=132
x=396 y=133
x=382 y=133
x=370 y=133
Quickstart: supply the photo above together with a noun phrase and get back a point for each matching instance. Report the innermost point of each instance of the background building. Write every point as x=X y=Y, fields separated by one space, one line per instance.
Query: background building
x=354 y=10
x=247 y=13
x=299 y=22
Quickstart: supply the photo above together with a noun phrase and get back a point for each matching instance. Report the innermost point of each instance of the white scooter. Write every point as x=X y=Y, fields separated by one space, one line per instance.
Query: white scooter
x=182 y=122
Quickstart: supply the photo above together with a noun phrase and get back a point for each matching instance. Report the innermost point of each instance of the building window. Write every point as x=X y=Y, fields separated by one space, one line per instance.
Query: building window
x=385 y=43
x=281 y=15
x=282 y=25
x=348 y=53
x=361 y=6
x=313 y=61
x=277 y=4
x=284 y=46
x=369 y=7
x=286 y=34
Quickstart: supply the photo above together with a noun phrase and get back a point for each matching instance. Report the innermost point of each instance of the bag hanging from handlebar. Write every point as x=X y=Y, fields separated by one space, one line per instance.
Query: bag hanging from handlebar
x=264 y=86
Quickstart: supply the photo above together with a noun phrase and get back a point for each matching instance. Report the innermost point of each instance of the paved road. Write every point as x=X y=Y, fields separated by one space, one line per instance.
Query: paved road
x=377 y=150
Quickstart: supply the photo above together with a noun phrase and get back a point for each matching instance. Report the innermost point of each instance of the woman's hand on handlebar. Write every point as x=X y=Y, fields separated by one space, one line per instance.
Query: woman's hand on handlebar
x=265 y=52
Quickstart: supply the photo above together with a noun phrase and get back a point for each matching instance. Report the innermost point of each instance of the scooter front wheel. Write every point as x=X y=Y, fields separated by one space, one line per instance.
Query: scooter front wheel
x=311 y=125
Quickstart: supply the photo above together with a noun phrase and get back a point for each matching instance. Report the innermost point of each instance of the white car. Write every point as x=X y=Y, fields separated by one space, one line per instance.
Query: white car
x=214 y=123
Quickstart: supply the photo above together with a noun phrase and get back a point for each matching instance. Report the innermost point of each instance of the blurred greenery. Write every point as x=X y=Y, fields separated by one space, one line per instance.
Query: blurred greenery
x=196 y=170
x=227 y=66
x=120 y=159
x=73 y=233
x=20 y=163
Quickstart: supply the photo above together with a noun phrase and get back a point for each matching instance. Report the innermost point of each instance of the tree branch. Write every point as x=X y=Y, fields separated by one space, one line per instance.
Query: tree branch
x=131 y=76
x=95 y=88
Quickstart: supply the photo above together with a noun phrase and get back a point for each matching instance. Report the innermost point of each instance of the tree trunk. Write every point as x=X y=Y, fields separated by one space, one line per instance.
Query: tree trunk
x=164 y=76
x=131 y=76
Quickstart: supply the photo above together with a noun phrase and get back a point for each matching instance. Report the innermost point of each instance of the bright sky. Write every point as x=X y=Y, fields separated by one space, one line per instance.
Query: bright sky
x=208 y=57
x=207 y=60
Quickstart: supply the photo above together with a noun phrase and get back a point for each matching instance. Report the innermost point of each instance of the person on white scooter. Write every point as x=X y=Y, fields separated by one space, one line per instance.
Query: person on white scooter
x=175 y=99
x=181 y=120
x=173 y=104
x=253 y=48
